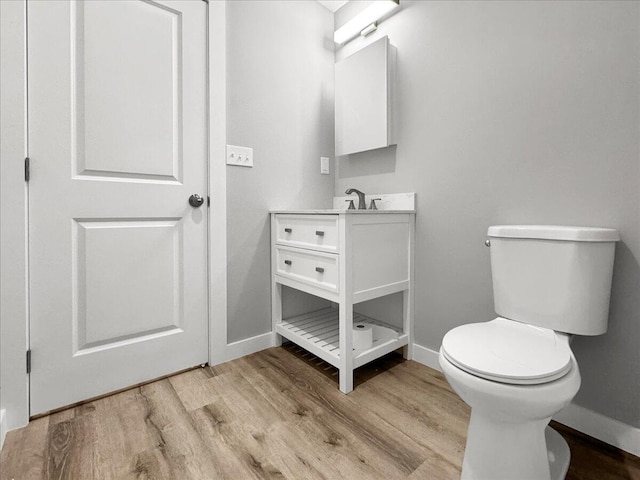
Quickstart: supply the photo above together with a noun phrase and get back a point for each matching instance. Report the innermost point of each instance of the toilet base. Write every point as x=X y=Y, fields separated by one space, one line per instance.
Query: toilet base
x=503 y=450
x=508 y=436
x=558 y=453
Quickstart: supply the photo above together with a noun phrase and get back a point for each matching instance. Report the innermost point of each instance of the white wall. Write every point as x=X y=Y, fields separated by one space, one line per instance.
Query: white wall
x=13 y=302
x=280 y=102
x=516 y=112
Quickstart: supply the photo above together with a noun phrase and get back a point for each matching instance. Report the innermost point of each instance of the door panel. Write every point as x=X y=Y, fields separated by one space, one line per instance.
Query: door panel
x=144 y=112
x=113 y=263
x=118 y=143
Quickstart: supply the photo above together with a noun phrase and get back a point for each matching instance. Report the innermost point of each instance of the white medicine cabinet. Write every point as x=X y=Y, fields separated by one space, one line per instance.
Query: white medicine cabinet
x=365 y=99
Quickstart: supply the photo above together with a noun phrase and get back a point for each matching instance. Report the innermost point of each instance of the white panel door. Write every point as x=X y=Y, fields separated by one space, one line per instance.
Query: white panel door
x=118 y=144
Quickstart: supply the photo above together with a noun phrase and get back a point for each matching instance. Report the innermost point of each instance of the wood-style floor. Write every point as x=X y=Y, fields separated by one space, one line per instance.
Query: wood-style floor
x=274 y=414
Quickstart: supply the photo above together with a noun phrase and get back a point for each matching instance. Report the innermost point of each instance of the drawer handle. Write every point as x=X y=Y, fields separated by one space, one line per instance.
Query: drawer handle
x=287 y=230
x=320 y=233
x=319 y=269
x=287 y=262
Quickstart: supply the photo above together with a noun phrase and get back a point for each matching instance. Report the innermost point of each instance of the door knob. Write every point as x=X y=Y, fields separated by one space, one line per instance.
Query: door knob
x=196 y=200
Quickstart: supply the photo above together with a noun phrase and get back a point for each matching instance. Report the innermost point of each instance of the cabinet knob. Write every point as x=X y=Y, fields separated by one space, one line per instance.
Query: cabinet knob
x=287 y=262
x=319 y=269
x=287 y=230
x=320 y=233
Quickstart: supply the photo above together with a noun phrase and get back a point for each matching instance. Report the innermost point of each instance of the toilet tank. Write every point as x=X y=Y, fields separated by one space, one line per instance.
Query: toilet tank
x=553 y=276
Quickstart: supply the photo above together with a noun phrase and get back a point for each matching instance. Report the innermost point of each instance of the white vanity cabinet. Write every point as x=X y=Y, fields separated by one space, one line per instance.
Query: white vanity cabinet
x=365 y=99
x=345 y=257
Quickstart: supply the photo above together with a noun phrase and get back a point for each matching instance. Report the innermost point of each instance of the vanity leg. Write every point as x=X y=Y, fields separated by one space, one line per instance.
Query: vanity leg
x=276 y=312
x=346 y=350
x=407 y=323
x=408 y=296
x=276 y=289
x=345 y=305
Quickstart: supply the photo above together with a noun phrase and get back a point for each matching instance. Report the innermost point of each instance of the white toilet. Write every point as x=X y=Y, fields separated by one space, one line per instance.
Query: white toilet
x=517 y=371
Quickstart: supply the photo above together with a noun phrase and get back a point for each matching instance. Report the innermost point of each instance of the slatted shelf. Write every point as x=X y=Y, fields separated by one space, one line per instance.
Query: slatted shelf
x=319 y=333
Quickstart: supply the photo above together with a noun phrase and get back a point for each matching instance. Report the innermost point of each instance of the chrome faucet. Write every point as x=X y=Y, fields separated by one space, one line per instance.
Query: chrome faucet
x=362 y=203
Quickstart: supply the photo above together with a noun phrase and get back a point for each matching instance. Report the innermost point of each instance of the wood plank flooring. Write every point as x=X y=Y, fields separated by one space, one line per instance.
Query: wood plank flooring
x=274 y=414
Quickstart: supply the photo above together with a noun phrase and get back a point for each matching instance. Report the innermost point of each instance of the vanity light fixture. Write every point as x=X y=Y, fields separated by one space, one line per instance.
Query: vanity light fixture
x=365 y=21
x=371 y=28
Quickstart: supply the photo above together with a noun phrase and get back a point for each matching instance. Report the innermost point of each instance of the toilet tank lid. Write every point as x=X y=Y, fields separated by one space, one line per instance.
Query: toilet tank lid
x=555 y=232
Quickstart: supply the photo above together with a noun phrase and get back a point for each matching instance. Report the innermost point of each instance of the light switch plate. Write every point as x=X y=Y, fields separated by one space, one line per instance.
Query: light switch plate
x=324 y=166
x=240 y=156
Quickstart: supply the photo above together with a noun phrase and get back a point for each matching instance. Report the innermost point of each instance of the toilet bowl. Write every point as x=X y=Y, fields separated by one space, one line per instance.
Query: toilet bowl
x=517 y=371
x=508 y=430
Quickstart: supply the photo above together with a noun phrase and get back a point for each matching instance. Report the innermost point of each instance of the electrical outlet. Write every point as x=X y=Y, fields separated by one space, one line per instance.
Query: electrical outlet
x=324 y=166
x=240 y=156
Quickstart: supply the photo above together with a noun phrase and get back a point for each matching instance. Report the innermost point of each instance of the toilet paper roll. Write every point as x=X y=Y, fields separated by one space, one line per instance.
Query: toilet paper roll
x=384 y=333
x=362 y=336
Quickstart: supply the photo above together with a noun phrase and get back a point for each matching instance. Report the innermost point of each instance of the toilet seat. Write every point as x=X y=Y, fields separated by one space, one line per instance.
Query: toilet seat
x=509 y=352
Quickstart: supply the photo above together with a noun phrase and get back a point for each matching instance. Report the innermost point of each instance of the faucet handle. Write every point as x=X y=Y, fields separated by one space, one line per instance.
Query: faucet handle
x=372 y=205
x=351 y=205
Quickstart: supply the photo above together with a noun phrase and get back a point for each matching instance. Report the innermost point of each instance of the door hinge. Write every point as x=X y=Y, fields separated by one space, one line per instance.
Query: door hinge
x=27 y=169
x=208 y=201
x=28 y=361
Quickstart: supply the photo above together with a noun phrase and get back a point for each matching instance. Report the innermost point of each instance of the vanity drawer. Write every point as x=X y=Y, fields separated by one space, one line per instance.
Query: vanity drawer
x=318 y=269
x=318 y=232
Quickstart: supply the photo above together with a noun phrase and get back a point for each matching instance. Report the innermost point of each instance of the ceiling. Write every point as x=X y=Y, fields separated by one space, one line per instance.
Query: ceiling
x=332 y=5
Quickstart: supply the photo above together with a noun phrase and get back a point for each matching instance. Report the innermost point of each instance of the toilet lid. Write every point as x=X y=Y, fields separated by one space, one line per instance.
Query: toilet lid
x=507 y=351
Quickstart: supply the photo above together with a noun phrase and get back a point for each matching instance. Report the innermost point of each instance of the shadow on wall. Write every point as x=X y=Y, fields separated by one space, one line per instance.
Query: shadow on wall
x=372 y=162
x=249 y=260
x=623 y=330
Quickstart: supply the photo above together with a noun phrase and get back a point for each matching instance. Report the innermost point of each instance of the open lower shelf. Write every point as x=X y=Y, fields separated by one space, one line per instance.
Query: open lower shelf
x=319 y=333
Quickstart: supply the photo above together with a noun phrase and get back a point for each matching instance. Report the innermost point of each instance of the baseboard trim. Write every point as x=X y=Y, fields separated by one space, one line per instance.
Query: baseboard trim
x=3 y=427
x=426 y=356
x=606 y=429
x=244 y=347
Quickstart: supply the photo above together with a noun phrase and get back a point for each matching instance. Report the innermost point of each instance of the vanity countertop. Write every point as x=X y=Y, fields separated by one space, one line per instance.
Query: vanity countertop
x=333 y=211
x=386 y=203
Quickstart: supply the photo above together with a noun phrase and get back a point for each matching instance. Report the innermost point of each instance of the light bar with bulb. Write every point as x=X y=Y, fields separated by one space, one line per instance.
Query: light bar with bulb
x=371 y=14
